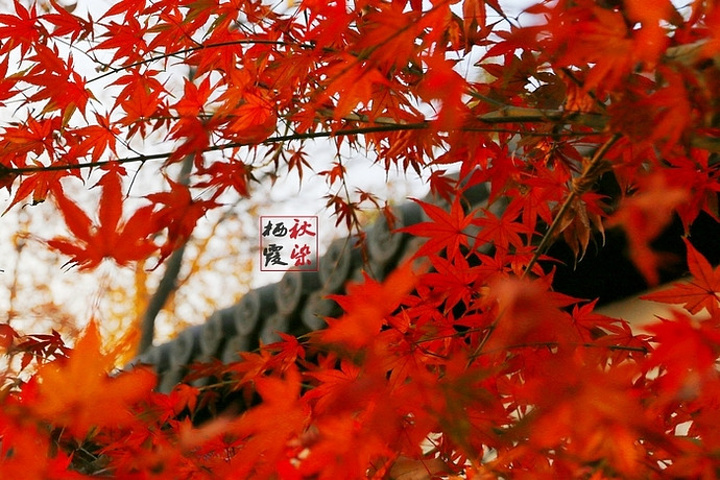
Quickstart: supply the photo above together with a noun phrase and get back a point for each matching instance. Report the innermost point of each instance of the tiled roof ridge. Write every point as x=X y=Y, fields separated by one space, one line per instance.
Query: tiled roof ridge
x=297 y=303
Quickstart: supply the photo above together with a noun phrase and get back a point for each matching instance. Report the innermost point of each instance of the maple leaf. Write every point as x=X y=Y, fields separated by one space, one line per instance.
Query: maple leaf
x=62 y=86
x=20 y=448
x=23 y=29
x=38 y=184
x=343 y=210
x=285 y=352
x=702 y=292
x=98 y=138
x=124 y=242
x=589 y=324
x=68 y=24
x=687 y=352
x=229 y=174
x=446 y=230
x=35 y=136
x=282 y=417
x=592 y=413
x=442 y=82
x=454 y=280
x=619 y=334
x=580 y=221
x=126 y=39
x=7 y=83
x=644 y=216
x=128 y=8
x=474 y=17
x=366 y=306
x=502 y=231
x=7 y=337
x=194 y=98
x=179 y=214
x=140 y=99
x=7 y=177
x=78 y=394
x=250 y=114
x=352 y=82
x=42 y=347
x=337 y=172
x=193 y=133
x=598 y=36
x=331 y=381
x=695 y=173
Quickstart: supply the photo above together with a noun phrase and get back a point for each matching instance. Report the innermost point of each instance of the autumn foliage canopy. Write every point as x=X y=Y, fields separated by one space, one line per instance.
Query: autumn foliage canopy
x=465 y=362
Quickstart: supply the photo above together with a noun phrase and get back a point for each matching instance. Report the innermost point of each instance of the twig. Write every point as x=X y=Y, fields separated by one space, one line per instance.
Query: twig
x=622 y=348
x=580 y=186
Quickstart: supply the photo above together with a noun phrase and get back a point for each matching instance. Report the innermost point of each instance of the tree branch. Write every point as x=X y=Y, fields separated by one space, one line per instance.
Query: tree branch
x=113 y=71
x=580 y=186
x=503 y=115
x=168 y=283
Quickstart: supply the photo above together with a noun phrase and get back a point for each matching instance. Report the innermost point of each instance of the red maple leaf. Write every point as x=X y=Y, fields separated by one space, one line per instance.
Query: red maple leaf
x=684 y=346
x=447 y=230
x=124 y=242
x=366 y=307
x=67 y=24
x=702 y=292
x=502 y=231
x=644 y=215
x=20 y=30
x=99 y=138
x=179 y=214
x=38 y=184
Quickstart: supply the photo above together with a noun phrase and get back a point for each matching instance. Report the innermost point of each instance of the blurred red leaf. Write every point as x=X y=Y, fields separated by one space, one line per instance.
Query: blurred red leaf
x=700 y=293
x=366 y=305
x=78 y=394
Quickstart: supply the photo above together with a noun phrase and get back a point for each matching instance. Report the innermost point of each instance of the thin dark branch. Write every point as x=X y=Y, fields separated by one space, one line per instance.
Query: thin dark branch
x=269 y=141
x=509 y=115
x=168 y=282
x=580 y=185
x=113 y=71
x=165 y=288
x=621 y=348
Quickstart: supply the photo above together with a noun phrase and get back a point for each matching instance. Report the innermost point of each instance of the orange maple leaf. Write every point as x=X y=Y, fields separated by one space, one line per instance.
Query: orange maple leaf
x=124 y=242
x=77 y=393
